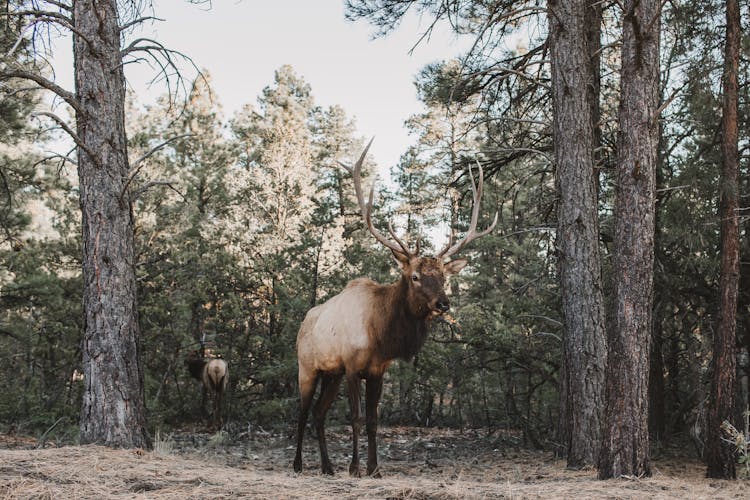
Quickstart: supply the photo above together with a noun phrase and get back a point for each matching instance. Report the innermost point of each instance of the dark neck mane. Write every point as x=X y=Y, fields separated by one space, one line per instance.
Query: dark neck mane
x=404 y=328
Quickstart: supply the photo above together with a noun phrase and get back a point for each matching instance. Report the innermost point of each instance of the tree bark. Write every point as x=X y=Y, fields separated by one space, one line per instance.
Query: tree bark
x=720 y=455
x=113 y=410
x=575 y=103
x=625 y=445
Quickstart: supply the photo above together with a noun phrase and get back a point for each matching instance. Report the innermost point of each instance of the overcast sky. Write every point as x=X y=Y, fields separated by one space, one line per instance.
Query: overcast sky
x=242 y=43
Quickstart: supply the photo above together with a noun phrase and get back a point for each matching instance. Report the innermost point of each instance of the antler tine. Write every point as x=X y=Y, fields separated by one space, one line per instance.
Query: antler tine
x=366 y=209
x=398 y=240
x=471 y=234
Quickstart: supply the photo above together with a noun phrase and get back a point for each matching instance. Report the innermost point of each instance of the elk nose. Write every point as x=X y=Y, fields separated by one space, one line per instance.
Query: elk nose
x=443 y=305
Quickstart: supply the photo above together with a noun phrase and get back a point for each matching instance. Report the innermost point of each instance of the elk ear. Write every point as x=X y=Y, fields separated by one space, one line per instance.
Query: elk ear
x=402 y=259
x=454 y=266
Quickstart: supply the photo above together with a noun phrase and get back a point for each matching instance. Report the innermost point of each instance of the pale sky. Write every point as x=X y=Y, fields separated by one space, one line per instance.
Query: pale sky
x=242 y=43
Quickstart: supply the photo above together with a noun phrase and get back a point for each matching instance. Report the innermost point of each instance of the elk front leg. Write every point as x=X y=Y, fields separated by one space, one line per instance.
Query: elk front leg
x=306 y=393
x=329 y=387
x=352 y=380
x=373 y=393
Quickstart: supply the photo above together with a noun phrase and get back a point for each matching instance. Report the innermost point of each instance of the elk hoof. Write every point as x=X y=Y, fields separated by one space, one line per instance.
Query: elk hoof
x=354 y=470
x=374 y=472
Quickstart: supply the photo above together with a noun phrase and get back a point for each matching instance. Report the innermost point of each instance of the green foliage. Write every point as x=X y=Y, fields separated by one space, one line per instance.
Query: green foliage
x=244 y=224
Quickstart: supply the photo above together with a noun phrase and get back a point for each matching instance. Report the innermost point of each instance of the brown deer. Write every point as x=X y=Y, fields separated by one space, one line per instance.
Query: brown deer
x=214 y=375
x=359 y=332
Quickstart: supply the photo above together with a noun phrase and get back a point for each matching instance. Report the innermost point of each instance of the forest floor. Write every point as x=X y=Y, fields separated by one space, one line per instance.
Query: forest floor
x=416 y=464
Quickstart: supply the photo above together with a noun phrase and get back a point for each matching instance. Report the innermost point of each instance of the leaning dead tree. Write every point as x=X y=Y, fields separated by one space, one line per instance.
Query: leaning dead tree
x=113 y=411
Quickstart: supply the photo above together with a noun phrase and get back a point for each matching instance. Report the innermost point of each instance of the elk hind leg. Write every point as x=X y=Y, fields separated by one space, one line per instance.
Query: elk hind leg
x=218 y=420
x=373 y=393
x=353 y=382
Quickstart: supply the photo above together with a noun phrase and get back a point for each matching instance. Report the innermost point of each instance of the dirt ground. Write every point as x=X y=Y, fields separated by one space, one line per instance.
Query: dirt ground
x=416 y=464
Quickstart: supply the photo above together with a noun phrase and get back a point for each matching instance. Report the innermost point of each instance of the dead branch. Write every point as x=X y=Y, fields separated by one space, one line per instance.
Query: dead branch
x=138 y=192
x=48 y=17
x=61 y=5
x=163 y=58
x=156 y=148
x=136 y=166
x=140 y=20
x=66 y=96
x=79 y=142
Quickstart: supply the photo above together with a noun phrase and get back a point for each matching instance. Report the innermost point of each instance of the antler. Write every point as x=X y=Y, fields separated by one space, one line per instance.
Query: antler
x=366 y=208
x=471 y=234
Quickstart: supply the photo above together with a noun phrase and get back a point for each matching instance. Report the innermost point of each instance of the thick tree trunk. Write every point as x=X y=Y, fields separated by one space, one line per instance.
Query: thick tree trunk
x=720 y=455
x=575 y=101
x=625 y=446
x=113 y=411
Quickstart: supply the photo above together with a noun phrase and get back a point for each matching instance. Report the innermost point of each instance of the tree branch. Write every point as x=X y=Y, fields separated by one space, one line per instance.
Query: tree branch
x=79 y=142
x=63 y=160
x=136 y=166
x=138 y=21
x=44 y=16
x=61 y=5
x=68 y=97
x=165 y=59
x=138 y=192
x=156 y=148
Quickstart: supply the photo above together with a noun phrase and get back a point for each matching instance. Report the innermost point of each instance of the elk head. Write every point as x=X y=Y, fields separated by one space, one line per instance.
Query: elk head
x=423 y=276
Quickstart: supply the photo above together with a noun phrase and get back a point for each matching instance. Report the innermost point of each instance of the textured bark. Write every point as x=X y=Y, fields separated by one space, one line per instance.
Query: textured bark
x=625 y=446
x=113 y=411
x=720 y=455
x=575 y=102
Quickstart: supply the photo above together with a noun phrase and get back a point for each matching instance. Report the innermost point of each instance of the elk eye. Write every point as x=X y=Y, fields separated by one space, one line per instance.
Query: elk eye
x=415 y=277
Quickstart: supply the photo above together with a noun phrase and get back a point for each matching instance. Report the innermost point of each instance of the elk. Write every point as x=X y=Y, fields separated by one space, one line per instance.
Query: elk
x=359 y=332
x=214 y=375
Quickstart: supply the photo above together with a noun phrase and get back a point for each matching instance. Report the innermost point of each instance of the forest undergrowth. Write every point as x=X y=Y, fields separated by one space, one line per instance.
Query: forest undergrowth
x=417 y=463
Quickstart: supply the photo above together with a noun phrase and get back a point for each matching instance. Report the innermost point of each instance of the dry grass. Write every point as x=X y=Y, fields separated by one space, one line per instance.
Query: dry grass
x=416 y=463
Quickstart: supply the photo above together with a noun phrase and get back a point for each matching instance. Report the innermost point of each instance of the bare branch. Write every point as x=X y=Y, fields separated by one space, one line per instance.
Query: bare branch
x=39 y=13
x=140 y=20
x=61 y=5
x=156 y=148
x=138 y=192
x=136 y=166
x=666 y=103
x=79 y=142
x=68 y=97
x=50 y=17
x=165 y=60
x=63 y=160
x=18 y=41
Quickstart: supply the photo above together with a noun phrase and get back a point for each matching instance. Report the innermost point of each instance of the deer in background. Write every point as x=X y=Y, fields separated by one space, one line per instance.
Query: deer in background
x=359 y=332
x=213 y=373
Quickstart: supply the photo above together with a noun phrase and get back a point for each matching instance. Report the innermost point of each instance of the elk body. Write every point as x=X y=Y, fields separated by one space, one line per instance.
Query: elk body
x=214 y=375
x=358 y=333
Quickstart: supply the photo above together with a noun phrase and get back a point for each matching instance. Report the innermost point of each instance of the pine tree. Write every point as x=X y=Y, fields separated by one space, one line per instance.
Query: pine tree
x=625 y=444
x=575 y=121
x=720 y=454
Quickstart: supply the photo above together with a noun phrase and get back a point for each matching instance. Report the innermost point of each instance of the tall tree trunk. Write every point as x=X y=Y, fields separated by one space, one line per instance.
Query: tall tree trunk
x=575 y=102
x=625 y=446
x=113 y=411
x=720 y=455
